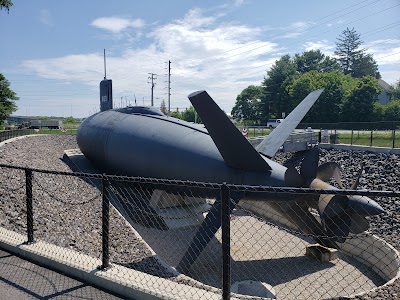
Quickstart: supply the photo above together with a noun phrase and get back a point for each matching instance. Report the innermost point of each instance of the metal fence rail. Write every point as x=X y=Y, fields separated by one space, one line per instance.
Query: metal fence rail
x=208 y=232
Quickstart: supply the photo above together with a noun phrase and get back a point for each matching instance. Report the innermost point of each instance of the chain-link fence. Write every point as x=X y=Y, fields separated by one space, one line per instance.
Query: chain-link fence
x=188 y=239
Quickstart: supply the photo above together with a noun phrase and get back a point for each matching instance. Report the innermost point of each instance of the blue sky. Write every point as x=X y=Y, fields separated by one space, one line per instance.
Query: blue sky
x=52 y=51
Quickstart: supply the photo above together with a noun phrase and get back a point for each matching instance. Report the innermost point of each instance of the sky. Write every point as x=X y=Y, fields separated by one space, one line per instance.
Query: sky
x=52 y=51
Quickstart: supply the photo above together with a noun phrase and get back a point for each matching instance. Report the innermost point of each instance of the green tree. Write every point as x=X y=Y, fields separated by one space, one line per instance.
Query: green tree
x=189 y=114
x=378 y=111
x=328 y=106
x=163 y=107
x=7 y=99
x=365 y=65
x=275 y=94
x=359 y=107
x=315 y=60
x=176 y=114
x=247 y=107
x=392 y=111
x=353 y=60
x=395 y=90
x=70 y=120
x=6 y=4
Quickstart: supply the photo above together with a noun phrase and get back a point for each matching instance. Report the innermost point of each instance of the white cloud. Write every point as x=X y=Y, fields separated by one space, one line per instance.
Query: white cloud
x=295 y=29
x=385 y=51
x=117 y=24
x=238 y=3
x=323 y=45
x=45 y=17
x=222 y=58
x=391 y=76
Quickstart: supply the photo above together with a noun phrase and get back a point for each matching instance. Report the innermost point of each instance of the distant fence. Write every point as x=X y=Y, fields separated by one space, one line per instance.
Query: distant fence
x=225 y=247
x=379 y=134
x=9 y=134
x=366 y=126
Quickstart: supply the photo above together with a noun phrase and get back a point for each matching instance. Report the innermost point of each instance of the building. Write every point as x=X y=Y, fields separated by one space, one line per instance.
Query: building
x=384 y=97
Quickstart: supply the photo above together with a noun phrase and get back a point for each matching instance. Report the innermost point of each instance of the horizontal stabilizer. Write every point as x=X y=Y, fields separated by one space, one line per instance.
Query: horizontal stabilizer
x=236 y=151
x=271 y=144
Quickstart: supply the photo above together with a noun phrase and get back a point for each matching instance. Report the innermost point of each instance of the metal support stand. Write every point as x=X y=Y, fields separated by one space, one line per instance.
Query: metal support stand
x=105 y=224
x=226 y=240
x=29 y=205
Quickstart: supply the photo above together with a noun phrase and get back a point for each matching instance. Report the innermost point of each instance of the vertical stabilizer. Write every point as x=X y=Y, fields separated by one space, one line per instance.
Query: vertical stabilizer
x=106 y=99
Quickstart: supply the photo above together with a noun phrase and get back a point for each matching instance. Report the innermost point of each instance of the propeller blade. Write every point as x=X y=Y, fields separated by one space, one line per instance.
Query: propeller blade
x=309 y=165
x=293 y=178
x=359 y=224
x=337 y=227
x=328 y=170
x=332 y=205
x=354 y=186
x=334 y=216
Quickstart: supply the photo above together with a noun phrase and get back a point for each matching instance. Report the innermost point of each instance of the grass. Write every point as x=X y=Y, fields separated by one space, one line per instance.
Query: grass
x=378 y=139
x=255 y=132
x=57 y=131
x=362 y=138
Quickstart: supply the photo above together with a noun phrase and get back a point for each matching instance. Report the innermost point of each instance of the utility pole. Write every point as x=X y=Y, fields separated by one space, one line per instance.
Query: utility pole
x=169 y=87
x=152 y=78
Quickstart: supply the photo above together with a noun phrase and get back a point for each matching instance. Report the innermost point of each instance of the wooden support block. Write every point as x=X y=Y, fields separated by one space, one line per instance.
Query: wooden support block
x=322 y=253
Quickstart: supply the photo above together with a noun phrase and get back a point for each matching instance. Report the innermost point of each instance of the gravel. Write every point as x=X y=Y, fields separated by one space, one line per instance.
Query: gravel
x=68 y=211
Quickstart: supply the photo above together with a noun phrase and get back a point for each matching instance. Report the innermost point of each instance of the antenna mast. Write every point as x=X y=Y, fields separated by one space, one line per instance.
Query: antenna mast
x=105 y=70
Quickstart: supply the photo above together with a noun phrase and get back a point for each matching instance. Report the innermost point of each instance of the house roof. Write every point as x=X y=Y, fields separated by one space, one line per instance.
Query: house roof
x=383 y=84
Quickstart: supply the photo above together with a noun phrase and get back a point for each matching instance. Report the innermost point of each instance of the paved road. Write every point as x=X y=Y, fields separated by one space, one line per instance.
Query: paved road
x=20 y=279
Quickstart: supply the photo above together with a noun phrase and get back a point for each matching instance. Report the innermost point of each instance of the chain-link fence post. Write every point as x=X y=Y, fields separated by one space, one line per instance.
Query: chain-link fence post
x=370 y=143
x=226 y=242
x=105 y=224
x=393 y=134
x=29 y=204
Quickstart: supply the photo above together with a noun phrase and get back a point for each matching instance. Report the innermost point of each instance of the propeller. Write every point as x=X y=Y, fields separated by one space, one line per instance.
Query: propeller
x=340 y=214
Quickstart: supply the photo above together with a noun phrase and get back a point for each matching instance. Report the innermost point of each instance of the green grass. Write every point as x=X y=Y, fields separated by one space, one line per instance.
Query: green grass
x=378 y=139
x=255 y=132
x=57 y=131
x=359 y=137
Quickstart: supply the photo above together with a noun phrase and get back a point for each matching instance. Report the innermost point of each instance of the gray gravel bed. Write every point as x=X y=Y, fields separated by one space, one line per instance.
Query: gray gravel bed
x=68 y=211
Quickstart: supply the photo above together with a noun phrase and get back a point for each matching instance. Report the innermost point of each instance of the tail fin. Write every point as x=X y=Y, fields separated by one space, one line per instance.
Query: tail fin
x=106 y=99
x=236 y=151
x=271 y=144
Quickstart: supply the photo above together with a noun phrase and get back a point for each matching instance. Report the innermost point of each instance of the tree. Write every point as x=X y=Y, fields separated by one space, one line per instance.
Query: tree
x=353 y=60
x=392 y=111
x=70 y=120
x=275 y=95
x=365 y=65
x=315 y=60
x=328 y=106
x=6 y=4
x=395 y=91
x=163 y=107
x=359 y=107
x=176 y=114
x=189 y=114
x=7 y=99
x=247 y=106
